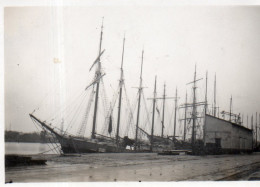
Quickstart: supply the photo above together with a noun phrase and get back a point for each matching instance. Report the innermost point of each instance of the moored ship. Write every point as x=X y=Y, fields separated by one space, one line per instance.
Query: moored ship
x=96 y=143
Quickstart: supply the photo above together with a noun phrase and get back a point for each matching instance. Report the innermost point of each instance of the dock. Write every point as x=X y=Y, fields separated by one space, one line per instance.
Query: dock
x=20 y=160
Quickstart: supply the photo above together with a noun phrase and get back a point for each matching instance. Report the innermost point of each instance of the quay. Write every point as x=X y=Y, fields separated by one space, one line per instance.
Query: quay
x=136 y=167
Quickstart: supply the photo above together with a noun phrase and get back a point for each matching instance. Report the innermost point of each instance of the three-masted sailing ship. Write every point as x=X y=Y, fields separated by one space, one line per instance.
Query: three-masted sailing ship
x=97 y=142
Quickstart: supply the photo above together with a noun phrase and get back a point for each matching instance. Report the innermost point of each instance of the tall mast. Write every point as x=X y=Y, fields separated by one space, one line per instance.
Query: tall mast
x=252 y=122
x=139 y=101
x=194 y=111
x=121 y=82
x=247 y=121
x=163 y=108
x=98 y=74
x=230 y=108
x=206 y=93
x=185 y=118
x=256 y=130
x=164 y=98
x=205 y=108
x=154 y=100
x=175 y=112
x=215 y=107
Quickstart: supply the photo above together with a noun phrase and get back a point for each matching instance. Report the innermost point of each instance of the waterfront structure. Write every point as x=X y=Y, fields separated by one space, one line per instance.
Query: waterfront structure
x=222 y=136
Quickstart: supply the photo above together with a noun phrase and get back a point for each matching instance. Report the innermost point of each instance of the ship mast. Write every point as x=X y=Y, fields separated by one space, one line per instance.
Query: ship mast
x=164 y=98
x=185 y=118
x=256 y=130
x=252 y=128
x=194 y=105
x=205 y=109
x=98 y=74
x=163 y=108
x=230 y=109
x=154 y=100
x=175 y=112
x=247 y=121
x=194 y=110
x=258 y=127
x=121 y=82
x=139 y=101
x=215 y=107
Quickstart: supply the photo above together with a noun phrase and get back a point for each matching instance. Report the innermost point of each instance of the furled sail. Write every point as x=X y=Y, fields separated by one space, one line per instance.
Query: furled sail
x=110 y=125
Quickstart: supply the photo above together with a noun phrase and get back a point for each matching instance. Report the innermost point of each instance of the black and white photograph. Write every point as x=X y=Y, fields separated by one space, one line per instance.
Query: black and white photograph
x=130 y=91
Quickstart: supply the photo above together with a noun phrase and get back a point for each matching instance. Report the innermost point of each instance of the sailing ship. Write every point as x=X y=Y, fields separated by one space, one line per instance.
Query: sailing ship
x=101 y=143
x=97 y=143
x=74 y=144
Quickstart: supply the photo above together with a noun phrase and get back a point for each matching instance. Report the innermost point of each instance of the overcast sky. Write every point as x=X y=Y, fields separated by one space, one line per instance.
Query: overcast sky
x=219 y=39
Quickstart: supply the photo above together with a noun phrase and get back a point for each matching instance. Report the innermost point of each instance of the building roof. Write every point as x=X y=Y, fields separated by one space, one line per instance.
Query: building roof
x=234 y=124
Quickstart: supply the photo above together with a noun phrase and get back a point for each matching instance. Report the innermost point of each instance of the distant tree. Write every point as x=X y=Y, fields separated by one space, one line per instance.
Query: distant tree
x=43 y=136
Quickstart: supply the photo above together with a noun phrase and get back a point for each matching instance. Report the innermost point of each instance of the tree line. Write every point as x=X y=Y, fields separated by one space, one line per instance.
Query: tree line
x=33 y=137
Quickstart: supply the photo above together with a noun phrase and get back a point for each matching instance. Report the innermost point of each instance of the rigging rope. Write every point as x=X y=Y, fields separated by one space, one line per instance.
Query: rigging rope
x=36 y=124
x=67 y=110
x=52 y=117
x=105 y=105
x=147 y=121
x=159 y=117
x=75 y=114
x=147 y=114
x=82 y=128
x=169 y=127
x=110 y=112
x=130 y=119
x=44 y=98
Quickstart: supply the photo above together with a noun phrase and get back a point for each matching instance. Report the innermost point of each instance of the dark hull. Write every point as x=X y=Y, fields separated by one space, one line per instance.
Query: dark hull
x=79 y=145
x=72 y=144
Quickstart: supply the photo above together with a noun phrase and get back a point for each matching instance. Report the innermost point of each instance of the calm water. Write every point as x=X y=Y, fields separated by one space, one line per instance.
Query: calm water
x=27 y=148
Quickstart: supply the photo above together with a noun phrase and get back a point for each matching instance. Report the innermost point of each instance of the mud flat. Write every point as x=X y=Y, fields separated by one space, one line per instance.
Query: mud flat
x=137 y=167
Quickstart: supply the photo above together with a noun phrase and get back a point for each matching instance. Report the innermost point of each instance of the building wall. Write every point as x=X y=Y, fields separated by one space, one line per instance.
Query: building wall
x=232 y=137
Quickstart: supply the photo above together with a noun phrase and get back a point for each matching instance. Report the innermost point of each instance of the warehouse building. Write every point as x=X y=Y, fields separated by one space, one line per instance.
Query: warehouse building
x=223 y=136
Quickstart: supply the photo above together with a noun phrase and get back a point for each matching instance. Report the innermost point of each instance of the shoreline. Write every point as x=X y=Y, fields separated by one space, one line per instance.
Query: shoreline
x=137 y=167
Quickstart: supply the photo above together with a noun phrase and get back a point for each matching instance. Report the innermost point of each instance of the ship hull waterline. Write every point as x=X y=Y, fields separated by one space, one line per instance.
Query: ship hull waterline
x=76 y=145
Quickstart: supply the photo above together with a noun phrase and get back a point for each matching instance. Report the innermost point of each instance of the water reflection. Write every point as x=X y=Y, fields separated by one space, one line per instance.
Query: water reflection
x=27 y=148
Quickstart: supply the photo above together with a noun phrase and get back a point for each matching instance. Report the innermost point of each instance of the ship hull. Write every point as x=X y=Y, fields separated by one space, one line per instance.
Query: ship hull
x=72 y=144
x=78 y=145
